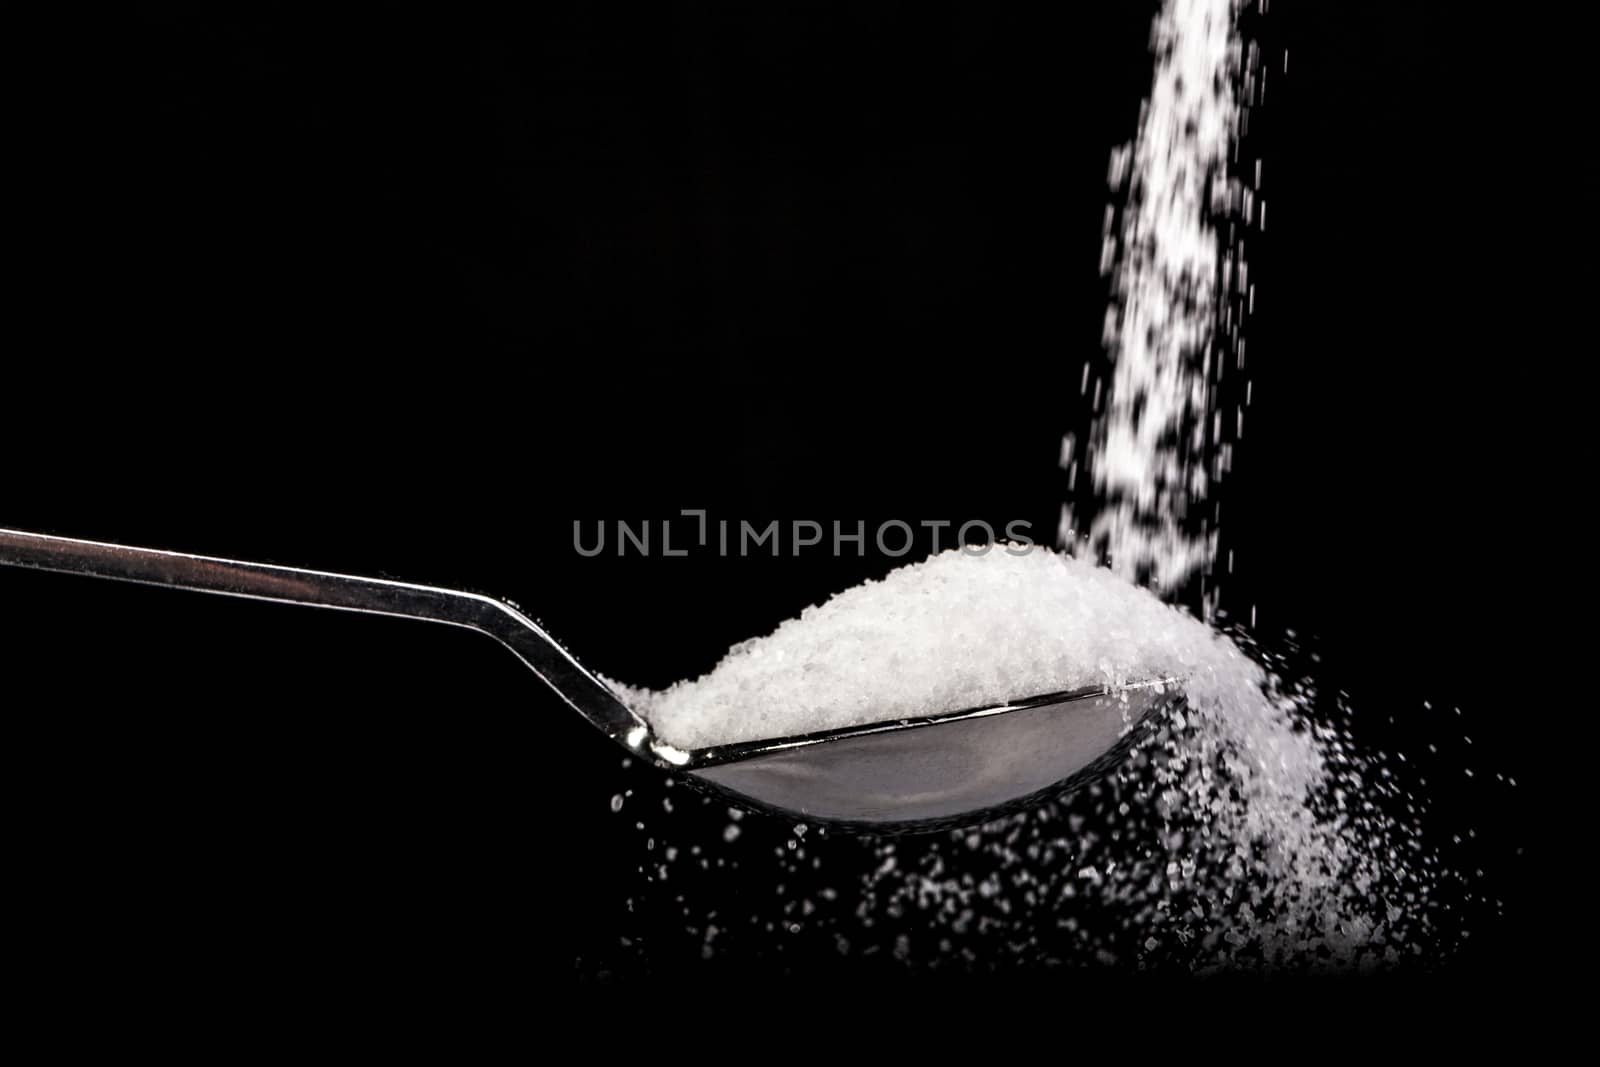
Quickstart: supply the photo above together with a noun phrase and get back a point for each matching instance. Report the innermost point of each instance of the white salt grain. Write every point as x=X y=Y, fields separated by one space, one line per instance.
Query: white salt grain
x=955 y=631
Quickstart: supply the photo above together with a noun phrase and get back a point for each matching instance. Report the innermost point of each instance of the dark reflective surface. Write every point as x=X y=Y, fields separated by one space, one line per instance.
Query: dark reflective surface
x=961 y=769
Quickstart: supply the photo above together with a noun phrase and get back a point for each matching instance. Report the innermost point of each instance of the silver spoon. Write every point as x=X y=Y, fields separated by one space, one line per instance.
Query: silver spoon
x=905 y=774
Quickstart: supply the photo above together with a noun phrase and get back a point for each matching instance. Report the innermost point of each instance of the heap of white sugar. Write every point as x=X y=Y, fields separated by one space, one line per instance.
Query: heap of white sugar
x=1237 y=834
x=959 y=630
x=1238 y=828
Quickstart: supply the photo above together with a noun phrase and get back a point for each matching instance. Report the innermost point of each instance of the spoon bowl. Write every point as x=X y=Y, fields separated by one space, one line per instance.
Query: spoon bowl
x=943 y=770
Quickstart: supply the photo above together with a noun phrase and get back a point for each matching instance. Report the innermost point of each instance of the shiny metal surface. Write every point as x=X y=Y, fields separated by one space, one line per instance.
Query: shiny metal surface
x=924 y=773
x=900 y=775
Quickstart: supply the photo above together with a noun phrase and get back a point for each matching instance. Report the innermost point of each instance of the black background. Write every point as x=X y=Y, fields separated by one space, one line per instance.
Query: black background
x=410 y=298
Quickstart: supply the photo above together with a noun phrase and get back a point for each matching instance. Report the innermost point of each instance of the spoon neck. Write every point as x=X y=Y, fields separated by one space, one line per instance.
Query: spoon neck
x=575 y=684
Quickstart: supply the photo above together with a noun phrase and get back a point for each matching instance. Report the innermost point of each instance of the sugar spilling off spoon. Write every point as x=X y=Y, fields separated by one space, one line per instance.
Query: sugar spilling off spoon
x=1236 y=787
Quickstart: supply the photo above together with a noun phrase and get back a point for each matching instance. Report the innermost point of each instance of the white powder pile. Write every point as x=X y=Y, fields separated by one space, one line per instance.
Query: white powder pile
x=1247 y=831
x=957 y=631
x=1244 y=832
x=1239 y=779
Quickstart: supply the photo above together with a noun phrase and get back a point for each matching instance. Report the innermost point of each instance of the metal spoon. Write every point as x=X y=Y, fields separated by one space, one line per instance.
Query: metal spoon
x=906 y=774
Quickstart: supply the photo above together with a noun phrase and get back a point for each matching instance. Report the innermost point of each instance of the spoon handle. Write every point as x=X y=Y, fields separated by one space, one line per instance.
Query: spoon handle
x=322 y=589
x=205 y=574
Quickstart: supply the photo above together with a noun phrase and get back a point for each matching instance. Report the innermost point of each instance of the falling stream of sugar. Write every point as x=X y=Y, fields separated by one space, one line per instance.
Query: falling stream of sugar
x=1172 y=324
x=1248 y=830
